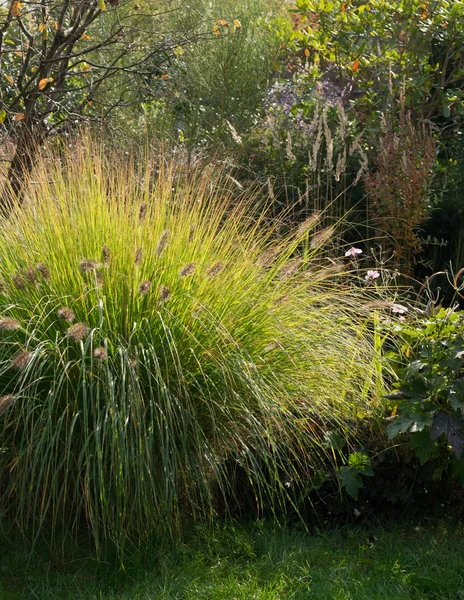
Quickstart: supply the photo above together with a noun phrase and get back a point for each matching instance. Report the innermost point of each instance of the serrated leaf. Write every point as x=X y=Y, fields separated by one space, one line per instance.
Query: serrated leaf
x=423 y=445
x=444 y=423
x=399 y=425
x=360 y=462
x=351 y=481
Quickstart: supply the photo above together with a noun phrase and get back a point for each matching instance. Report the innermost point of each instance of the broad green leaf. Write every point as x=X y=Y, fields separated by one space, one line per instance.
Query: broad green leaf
x=360 y=462
x=423 y=444
x=351 y=481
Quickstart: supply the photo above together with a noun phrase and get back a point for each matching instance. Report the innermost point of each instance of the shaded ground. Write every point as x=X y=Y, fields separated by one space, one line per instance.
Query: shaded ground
x=263 y=563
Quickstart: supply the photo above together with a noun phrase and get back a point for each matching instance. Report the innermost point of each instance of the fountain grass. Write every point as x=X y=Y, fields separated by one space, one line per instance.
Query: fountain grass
x=162 y=341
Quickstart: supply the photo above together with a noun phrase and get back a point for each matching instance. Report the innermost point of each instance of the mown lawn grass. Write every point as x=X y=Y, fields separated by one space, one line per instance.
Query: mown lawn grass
x=259 y=562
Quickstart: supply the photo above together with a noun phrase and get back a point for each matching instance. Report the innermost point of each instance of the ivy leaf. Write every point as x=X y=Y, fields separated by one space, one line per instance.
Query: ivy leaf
x=452 y=428
x=350 y=480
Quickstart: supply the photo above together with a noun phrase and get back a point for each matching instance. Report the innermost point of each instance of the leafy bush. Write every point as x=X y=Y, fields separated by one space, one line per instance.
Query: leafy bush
x=429 y=402
x=158 y=342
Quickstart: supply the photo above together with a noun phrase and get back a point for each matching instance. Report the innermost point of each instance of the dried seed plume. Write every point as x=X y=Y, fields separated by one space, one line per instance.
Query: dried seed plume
x=187 y=270
x=215 y=269
x=66 y=314
x=78 y=332
x=21 y=360
x=164 y=293
x=6 y=402
x=144 y=287
x=162 y=242
x=44 y=271
x=9 y=324
x=100 y=354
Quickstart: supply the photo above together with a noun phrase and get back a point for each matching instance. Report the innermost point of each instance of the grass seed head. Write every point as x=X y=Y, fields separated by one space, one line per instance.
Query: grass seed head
x=187 y=270
x=144 y=287
x=9 y=324
x=162 y=242
x=138 y=256
x=106 y=255
x=143 y=212
x=86 y=265
x=21 y=360
x=44 y=271
x=78 y=332
x=30 y=275
x=267 y=257
x=321 y=237
x=215 y=269
x=290 y=268
x=308 y=224
x=66 y=314
x=6 y=402
x=164 y=293
x=100 y=354
x=19 y=282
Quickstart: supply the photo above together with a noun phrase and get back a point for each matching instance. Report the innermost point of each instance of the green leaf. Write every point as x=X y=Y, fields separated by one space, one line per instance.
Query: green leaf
x=452 y=428
x=2 y=116
x=333 y=440
x=458 y=469
x=446 y=111
x=360 y=462
x=423 y=444
x=399 y=425
x=351 y=481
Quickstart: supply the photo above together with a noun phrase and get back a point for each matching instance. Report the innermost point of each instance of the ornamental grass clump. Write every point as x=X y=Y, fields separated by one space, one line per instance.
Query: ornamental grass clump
x=223 y=348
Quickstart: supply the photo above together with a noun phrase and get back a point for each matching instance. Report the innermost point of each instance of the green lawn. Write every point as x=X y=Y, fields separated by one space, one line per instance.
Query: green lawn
x=261 y=562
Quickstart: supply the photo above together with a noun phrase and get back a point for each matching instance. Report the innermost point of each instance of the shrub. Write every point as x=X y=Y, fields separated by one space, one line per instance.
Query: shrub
x=156 y=339
x=429 y=401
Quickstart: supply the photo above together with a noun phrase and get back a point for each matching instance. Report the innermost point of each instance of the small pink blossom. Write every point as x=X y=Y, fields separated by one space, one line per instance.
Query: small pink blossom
x=353 y=252
x=371 y=275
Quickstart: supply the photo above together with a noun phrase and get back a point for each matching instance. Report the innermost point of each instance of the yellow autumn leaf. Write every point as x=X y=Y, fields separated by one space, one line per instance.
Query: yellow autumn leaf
x=223 y=23
x=44 y=82
x=306 y=52
x=237 y=24
x=215 y=30
x=15 y=9
x=8 y=78
x=84 y=36
x=19 y=117
x=85 y=67
x=165 y=77
x=33 y=69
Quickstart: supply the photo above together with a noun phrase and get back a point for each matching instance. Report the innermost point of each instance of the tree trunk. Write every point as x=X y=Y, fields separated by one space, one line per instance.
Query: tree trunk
x=28 y=140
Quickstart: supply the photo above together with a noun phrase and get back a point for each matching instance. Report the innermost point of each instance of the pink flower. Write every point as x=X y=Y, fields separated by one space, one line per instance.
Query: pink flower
x=353 y=252
x=371 y=275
